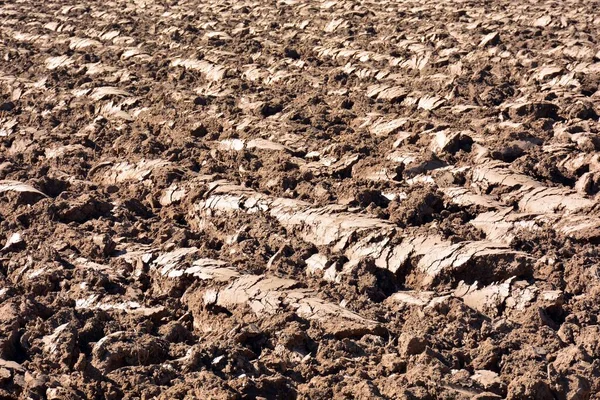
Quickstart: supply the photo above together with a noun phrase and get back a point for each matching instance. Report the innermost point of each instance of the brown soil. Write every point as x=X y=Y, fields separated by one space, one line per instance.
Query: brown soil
x=299 y=199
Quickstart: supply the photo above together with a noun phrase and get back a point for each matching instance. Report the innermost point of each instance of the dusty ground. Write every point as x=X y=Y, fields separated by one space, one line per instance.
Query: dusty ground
x=299 y=199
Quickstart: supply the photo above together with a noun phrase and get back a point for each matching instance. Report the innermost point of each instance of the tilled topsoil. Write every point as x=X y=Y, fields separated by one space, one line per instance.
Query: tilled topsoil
x=299 y=199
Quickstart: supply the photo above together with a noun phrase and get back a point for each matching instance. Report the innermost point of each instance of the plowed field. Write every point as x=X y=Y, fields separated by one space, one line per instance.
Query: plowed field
x=212 y=199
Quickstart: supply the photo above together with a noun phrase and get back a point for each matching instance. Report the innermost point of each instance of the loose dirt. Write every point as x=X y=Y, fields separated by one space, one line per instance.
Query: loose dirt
x=299 y=199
